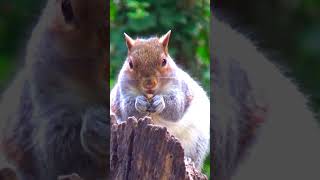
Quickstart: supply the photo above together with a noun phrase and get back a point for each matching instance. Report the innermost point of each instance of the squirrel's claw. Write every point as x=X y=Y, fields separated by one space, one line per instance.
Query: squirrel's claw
x=157 y=104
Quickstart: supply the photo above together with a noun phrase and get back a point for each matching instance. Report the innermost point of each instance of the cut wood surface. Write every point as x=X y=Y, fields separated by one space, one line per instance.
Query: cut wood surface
x=143 y=151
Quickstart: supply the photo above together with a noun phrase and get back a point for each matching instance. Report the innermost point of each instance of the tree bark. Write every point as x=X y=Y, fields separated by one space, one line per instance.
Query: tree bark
x=143 y=151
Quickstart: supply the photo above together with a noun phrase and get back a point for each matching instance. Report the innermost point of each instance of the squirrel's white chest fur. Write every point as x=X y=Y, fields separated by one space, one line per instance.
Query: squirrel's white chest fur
x=194 y=125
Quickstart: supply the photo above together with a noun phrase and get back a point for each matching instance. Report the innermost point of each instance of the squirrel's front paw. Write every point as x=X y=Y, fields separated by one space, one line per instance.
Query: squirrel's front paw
x=157 y=104
x=94 y=132
x=142 y=104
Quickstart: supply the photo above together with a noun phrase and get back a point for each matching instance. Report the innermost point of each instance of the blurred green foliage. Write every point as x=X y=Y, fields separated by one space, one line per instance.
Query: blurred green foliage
x=289 y=32
x=5 y=69
x=16 y=20
x=188 y=20
x=189 y=42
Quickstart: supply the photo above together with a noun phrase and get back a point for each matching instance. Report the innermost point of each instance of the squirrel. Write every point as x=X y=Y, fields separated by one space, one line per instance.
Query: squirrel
x=151 y=84
x=260 y=122
x=54 y=115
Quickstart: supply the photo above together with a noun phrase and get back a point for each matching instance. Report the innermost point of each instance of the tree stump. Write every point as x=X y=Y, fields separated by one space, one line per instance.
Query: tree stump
x=140 y=151
x=143 y=151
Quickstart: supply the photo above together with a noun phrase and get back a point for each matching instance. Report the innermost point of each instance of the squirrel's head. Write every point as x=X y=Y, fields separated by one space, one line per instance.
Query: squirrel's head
x=148 y=66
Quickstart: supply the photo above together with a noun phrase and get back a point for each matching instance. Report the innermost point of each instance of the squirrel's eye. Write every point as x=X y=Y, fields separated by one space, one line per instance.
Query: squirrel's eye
x=130 y=64
x=164 y=62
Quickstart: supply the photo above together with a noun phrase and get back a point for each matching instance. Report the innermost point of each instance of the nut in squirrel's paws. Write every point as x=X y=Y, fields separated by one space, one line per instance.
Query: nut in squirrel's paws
x=142 y=104
x=157 y=104
x=152 y=105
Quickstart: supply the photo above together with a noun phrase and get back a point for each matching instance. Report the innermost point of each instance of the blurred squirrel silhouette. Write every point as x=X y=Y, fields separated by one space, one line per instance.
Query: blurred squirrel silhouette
x=54 y=114
x=260 y=123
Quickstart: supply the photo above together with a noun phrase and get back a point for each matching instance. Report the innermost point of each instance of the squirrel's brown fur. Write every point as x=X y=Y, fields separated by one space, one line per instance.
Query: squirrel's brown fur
x=150 y=83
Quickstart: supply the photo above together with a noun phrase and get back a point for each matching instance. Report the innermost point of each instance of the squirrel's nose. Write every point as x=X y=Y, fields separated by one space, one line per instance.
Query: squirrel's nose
x=149 y=83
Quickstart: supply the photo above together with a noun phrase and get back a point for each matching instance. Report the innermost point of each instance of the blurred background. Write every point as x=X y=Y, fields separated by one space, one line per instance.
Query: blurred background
x=17 y=18
x=288 y=31
x=189 y=41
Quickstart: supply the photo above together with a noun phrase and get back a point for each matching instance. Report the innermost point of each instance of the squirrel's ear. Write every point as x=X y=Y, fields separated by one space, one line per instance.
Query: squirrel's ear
x=129 y=41
x=164 y=40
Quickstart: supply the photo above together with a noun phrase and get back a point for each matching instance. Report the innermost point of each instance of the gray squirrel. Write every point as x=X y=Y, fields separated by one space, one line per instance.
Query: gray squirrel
x=54 y=115
x=261 y=125
x=151 y=84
